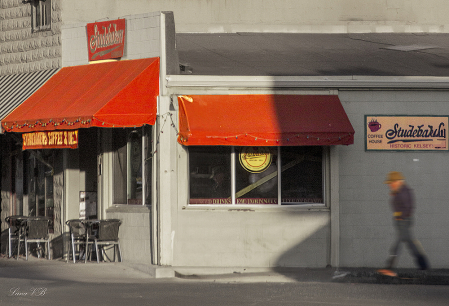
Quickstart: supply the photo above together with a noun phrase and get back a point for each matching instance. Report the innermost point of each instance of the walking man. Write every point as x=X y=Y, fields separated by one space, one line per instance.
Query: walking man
x=402 y=204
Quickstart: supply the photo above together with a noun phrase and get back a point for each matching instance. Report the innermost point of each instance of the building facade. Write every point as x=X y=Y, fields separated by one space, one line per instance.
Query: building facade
x=246 y=164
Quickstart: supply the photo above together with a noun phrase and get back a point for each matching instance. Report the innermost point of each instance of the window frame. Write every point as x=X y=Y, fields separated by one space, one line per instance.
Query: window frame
x=325 y=176
x=146 y=135
x=39 y=12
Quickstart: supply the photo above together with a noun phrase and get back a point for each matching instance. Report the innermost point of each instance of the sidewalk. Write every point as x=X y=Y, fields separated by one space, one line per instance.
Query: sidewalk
x=136 y=272
x=342 y=275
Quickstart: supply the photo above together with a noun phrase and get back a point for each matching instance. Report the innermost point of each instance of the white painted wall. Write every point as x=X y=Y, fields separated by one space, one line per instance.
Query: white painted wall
x=142 y=39
x=310 y=16
x=252 y=238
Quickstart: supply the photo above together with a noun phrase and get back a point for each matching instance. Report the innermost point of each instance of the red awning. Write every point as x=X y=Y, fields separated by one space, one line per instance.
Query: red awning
x=114 y=94
x=263 y=120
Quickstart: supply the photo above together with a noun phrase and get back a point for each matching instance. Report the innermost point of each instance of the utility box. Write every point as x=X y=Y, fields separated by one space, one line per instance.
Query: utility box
x=88 y=205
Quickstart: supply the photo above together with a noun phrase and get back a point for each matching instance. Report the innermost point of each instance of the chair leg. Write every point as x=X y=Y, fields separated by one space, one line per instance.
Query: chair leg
x=18 y=247
x=48 y=249
x=68 y=253
x=73 y=249
x=26 y=248
x=98 y=254
x=86 y=251
x=119 y=251
x=9 y=243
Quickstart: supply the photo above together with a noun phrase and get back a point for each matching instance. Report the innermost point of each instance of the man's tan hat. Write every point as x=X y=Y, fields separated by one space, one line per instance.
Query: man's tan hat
x=394 y=176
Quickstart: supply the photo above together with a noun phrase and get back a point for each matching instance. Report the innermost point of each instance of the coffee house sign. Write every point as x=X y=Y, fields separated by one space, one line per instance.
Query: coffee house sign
x=50 y=140
x=400 y=133
x=106 y=40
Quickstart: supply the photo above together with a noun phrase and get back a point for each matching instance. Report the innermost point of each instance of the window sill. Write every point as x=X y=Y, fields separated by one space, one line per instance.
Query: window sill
x=117 y=208
x=256 y=208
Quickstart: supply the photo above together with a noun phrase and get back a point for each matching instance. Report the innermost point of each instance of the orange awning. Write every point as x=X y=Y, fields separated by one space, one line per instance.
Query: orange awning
x=114 y=94
x=263 y=120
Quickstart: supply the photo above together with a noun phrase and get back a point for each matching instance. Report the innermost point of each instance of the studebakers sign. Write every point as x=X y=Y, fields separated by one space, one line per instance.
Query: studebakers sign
x=425 y=133
x=106 y=39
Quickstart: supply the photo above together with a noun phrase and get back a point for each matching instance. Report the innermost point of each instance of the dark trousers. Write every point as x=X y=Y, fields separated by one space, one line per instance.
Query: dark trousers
x=404 y=235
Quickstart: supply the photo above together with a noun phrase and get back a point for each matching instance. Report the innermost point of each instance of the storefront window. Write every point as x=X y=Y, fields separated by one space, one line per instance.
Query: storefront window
x=302 y=175
x=210 y=175
x=128 y=161
x=256 y=175
x=40 y=184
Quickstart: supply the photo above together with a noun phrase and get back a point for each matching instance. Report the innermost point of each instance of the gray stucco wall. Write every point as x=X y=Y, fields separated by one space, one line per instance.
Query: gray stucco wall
x=21 y=49
x=365 y=216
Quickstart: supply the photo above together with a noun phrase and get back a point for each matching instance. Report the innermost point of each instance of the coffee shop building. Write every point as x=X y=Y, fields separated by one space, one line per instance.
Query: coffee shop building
x=85 y=136
x=211 y=163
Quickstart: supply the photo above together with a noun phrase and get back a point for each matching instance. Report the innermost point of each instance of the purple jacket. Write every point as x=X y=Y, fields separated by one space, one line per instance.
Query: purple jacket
x=402 y=201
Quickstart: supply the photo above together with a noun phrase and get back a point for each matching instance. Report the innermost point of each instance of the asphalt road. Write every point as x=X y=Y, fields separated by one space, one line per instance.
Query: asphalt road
x=140 y=291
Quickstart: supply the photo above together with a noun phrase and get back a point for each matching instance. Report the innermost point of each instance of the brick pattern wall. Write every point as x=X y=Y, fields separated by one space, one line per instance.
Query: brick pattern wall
x=21 y=50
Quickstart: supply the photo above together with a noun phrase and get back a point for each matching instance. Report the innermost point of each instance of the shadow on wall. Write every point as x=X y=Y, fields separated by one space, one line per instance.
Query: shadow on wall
x=312 y=251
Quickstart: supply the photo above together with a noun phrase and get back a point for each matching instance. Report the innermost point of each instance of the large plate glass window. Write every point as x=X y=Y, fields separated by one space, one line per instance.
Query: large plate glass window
x=257 y=175
x=132 y=165
x=302 y=175
x=40 y=165
x=210 y=175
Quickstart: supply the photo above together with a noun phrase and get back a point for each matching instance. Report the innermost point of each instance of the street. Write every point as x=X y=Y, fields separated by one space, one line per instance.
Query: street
x=175 y=292
x=44 y=283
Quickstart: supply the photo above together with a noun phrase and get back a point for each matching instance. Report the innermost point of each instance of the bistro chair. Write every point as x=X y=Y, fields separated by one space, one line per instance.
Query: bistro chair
x=79 y=240
x=37 y=231
x=107 y=235
x=15 y=232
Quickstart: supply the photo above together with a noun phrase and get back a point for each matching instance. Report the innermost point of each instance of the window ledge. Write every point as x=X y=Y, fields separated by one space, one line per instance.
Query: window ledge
x=129 y=209
x=256 y=208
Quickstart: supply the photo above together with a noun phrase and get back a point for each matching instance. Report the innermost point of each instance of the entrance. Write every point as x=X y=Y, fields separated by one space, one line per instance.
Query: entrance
x=88 y=149
x=40 y=168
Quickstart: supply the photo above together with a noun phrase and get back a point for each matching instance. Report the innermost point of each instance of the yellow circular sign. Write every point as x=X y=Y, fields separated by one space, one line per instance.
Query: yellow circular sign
x=255 y=159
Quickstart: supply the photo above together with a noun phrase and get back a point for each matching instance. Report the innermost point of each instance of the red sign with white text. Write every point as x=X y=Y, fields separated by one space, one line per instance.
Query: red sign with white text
x=106 y=39
x=50 y=140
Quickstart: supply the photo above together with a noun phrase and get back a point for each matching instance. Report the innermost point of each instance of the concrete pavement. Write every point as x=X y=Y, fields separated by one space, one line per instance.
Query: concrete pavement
x=126 y=272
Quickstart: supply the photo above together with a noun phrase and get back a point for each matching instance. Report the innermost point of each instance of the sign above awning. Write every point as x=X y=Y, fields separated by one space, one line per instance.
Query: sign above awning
x=106 y=39
x=263 y=120
x=114 y=94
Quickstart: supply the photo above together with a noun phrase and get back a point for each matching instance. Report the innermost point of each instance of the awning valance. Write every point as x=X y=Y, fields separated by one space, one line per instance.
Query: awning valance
x=114 y=94
x=263 y=120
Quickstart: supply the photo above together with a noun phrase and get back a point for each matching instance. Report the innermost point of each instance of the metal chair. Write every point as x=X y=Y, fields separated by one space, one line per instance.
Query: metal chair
x=108 y=236
x=37 y=231
x=79 y=237
x=15 y=224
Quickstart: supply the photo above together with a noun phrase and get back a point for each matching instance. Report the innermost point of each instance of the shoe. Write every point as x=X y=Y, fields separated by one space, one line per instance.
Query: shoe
x=387 y=272
x=422 y=262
